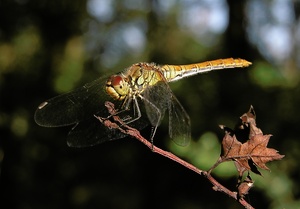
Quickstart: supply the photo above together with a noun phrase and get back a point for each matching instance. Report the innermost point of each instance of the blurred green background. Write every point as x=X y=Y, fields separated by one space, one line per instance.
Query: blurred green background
x=51 y=47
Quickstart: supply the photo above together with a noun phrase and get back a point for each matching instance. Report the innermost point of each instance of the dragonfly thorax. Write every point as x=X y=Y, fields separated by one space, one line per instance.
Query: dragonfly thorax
x=142 y=75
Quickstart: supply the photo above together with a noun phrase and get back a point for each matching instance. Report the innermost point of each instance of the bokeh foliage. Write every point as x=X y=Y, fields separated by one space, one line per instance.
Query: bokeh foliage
x=50 y=47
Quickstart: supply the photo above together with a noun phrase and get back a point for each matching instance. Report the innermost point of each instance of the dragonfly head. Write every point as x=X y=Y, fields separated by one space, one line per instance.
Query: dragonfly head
x=117 y=87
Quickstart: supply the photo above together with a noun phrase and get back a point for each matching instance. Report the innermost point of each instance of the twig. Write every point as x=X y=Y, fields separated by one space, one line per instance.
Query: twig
x=124 y=128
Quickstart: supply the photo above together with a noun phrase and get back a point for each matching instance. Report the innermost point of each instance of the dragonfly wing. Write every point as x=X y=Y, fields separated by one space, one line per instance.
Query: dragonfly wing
x=91 y=132
x=72 y=107
x=79 y=108
x=161 y=96
x=179 y=123
x=156 y=102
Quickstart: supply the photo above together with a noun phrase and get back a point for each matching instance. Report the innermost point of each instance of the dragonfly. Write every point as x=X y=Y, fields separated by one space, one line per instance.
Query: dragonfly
x=142 y=95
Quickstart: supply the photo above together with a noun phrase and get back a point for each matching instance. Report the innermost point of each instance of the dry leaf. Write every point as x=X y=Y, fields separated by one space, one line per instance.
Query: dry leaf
x=244 y=186
x=254 y=152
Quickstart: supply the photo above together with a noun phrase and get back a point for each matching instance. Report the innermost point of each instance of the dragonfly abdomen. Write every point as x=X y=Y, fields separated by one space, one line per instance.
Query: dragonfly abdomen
x=176 y=72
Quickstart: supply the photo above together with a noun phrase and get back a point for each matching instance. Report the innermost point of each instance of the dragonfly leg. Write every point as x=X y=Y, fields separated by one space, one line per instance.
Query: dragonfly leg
x=154 y=128
x=113 y=112
x=138 y=112
x=156 y=123
x=126 y=107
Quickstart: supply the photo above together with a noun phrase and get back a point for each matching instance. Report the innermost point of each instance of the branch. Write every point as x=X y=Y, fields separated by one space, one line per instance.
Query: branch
x=124 y=128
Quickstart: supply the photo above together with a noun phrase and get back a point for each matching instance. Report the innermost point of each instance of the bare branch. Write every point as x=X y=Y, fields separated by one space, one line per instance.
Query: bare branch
x=124 y=128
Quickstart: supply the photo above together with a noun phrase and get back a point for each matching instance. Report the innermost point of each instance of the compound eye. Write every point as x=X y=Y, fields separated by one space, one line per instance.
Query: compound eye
x=117 y=82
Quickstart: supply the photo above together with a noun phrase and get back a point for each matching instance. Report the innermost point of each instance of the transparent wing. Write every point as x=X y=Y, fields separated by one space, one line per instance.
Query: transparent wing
x=77 y=105
x=91 y=132
x=156 y=100
x=79 y=108
x=179 y=123
x=162 y=98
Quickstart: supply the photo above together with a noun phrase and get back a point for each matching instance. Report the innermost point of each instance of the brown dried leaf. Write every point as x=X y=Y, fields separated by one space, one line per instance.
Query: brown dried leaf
x=256 y=148
x=244 y=186
x=249 y=120
x=254 y=152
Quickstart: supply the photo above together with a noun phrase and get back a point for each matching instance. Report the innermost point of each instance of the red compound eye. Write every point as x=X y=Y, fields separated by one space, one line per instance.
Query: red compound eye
x=116 y=80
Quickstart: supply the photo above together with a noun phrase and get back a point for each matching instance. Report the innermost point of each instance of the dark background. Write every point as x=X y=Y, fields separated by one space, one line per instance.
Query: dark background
x=51 y=47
